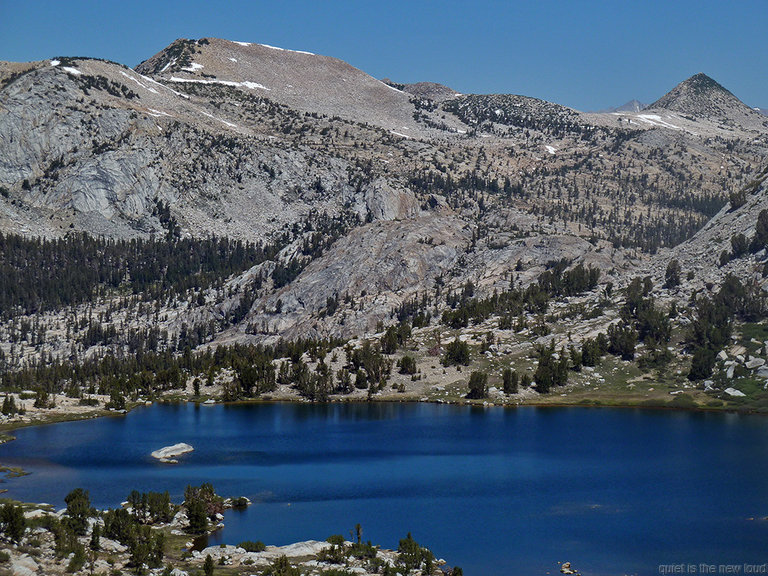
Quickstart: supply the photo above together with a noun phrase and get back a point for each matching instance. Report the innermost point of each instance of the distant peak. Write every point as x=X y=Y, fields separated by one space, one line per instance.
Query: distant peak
x=702 y=83
x=703 y=97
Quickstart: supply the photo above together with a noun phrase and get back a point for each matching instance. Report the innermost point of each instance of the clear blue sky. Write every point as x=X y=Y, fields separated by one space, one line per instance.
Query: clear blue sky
x=584 y=54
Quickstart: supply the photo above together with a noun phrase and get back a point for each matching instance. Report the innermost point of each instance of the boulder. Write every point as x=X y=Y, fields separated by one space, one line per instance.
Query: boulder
x=168 y=453
x=25 y=565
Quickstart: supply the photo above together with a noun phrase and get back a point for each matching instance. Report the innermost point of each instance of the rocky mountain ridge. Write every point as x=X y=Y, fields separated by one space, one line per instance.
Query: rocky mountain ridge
x=373 y=194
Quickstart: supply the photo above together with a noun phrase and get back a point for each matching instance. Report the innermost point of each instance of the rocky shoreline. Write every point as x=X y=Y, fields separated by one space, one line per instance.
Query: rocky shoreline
x=81 y=540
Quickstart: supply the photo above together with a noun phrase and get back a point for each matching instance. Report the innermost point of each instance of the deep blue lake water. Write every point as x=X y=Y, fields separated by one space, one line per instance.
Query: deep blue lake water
x=496 y=491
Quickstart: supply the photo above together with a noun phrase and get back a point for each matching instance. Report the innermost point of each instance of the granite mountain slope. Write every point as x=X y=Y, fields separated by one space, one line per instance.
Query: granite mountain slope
x=374 y=192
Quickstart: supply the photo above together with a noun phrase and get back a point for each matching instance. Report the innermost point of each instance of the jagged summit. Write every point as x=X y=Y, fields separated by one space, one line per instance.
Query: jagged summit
x=702 y=97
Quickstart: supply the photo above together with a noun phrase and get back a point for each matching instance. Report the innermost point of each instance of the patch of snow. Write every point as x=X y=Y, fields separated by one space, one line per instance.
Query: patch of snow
x=168 y=65
x=55 y=62
x=148 y=79
x=400 y=134
x=498 y=111
x=254 y=85
x=73 y=71
x=241 y=43
x=285 y=50
x=393 y=88
x=233 y=59
x=193 y=67
x=734 y=392
x=656 y=120
x=551 y=149
x=139 y=83
x=251 y=85
x=156 y=113
x=204 y=113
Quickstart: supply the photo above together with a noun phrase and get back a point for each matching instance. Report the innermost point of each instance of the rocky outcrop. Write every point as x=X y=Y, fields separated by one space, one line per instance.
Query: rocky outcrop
x=170 y=453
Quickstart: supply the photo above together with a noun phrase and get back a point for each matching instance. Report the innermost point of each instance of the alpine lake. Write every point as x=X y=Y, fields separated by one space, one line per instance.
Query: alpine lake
x=496 y=491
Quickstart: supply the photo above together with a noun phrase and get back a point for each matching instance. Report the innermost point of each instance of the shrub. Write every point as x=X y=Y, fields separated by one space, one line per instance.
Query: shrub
x=511 y=381
x=457 y=352
x=478 y=385
x=672 y=275
x=12 y=521
x=407 y=365
x=249 y=546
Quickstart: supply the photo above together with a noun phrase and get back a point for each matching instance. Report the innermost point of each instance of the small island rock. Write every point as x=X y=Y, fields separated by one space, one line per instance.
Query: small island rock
x=169 y=453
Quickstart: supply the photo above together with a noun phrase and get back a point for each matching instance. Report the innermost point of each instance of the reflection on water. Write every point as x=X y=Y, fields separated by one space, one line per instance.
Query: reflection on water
x=496 y=491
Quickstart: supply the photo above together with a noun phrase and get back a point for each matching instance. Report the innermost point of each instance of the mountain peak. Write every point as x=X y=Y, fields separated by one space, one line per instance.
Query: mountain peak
x=631 y=106
x=702 y=83
x=703 y=97
x=300 y=80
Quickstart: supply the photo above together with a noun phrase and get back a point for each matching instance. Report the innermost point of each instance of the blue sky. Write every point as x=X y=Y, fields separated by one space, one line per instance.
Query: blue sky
x=584 y=54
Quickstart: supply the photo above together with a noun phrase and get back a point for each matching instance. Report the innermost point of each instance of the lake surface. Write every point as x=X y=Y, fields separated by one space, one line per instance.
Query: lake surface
x=496 y=491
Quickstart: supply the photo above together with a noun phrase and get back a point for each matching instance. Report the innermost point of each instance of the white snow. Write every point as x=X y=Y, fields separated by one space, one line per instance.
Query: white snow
x=242 y=43
x=656 y=120
x=286 y=50
x=193 y=67
x=139 y=83
x=498 y=111
x=392 y=87
x=148 y=79
x=247 y=84
x=168 y=65
x=55 y=62
x=233 y=59
x=551 y=149
x=204 y=113
x=157 y=113
x=734 y=392
x=73 y=71
x=400 y=134
x=254 y=85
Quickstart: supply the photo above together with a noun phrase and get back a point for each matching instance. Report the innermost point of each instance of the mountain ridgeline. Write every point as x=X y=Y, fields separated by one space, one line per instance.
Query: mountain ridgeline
x=230 y=194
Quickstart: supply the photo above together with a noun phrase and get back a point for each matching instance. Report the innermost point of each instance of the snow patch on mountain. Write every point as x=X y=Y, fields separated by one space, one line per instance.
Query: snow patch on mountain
x=286 y=50
x=246 y=84
x=147 y=88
